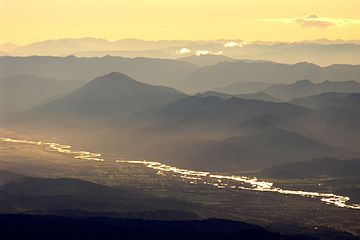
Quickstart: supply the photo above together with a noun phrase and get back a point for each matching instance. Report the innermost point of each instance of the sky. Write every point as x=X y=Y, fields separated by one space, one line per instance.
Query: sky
x=26 y=21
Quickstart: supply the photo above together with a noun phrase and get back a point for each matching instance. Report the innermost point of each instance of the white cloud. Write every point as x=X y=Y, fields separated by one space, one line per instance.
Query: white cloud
x=183 y=51
x=231 y=44
x=314 y=20
x=206 y=52
x=234 y=44
x=202 y=52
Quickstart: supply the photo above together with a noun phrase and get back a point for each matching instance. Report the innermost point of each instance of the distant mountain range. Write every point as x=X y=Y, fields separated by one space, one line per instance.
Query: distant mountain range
x=147 y=70
x=256 y=96
x=305 y=88
x=179 y=74
x=243 y=88
x=225 y=73
x=322 y=52
x=205 y=60
x=316 y=101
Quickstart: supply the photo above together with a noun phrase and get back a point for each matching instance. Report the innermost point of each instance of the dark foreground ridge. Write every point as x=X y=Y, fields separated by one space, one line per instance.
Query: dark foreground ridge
x=55 y=227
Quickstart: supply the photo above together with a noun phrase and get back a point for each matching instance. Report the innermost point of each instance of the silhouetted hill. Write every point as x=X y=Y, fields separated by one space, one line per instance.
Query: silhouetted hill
x=46 y=227
x=305 y=88
x=328 y=167
x=23 y=92
x=71 y=197
x=114 y=95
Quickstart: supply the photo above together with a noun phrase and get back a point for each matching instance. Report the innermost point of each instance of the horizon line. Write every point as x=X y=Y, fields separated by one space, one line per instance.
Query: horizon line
x=189 y=40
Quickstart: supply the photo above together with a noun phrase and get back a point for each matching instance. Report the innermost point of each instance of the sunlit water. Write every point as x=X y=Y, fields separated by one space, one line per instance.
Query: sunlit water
x=197 y=177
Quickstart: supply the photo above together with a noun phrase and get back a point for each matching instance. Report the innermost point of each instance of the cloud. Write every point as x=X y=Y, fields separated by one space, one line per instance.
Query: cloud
x=183 y=51
x=231 y=44
x=206 y=52
x=314 y=20
x=234 y=44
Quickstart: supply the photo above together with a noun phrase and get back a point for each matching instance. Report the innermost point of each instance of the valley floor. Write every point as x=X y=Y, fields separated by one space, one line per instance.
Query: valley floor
x=274 y=211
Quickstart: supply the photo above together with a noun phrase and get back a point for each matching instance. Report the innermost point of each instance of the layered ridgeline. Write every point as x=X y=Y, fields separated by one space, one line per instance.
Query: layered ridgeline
x=322 y=51
x=147 y=70
x=226 y=73
x=305 y=88
x=206 y=60
x=336 y=119
x=349 y=101
x=177 y=73
x=289 y=91
x=22 y=92
x=243 y=88
x=256 y=96
x=230 y=134
x=115 y=113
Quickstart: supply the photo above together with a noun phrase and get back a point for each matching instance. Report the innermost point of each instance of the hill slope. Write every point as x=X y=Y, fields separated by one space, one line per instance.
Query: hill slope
x=114 y=95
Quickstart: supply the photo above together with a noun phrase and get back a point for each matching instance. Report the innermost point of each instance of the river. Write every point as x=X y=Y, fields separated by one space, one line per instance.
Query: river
x=196 y=177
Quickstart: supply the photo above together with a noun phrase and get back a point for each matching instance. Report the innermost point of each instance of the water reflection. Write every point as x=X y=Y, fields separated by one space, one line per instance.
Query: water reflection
x=60 y=148
x=241 y=182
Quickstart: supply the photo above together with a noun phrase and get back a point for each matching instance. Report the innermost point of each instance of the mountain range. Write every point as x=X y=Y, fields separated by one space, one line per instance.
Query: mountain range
x=322 y=52
x=255 y=96
x=226 y=73
x=115 y=113
x=177 y=74
x=305 y=88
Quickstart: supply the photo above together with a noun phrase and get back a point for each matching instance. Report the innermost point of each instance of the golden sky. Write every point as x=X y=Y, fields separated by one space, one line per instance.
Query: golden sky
x=25 y=21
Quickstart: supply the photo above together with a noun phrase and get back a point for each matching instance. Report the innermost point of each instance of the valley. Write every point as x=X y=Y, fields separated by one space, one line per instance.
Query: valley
x=228 y=196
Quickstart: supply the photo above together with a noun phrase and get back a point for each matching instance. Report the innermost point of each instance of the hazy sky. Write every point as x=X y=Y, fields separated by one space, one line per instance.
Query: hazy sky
x=25 y=21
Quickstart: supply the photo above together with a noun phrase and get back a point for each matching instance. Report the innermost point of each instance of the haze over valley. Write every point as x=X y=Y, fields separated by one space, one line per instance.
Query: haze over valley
x=174 y=130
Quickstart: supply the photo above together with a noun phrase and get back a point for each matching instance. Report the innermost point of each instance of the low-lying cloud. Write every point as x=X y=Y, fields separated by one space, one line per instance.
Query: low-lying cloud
x=314 y=20
x=231 y=44
x=206 y=52
x=183 y=51
x=234 y=44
